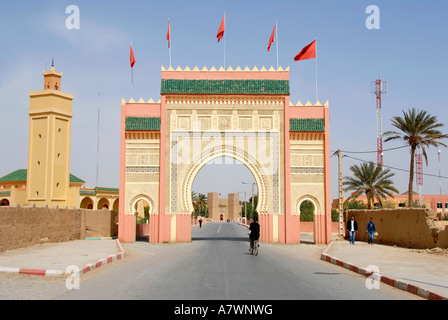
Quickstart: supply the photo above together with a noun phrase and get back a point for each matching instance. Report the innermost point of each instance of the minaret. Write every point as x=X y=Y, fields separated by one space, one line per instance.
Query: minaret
x=48 y=175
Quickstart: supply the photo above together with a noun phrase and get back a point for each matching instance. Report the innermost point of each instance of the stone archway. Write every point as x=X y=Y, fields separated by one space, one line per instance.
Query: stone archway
x=133 y=204
x=224 y=151
x=4 y=203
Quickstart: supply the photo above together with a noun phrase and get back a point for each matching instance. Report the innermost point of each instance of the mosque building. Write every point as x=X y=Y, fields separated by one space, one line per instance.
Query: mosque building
x=47 y=180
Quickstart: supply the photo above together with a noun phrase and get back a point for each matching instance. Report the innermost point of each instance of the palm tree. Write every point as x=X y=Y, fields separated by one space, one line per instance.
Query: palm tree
x=418 y=129
x=372 y=180
x=199 y=203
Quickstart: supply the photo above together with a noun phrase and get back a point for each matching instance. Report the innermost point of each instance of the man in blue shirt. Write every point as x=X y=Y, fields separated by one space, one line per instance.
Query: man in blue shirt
x=371 y=230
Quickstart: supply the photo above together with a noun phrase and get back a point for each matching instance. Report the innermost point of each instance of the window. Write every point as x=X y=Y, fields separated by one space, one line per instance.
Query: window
x=439 y=205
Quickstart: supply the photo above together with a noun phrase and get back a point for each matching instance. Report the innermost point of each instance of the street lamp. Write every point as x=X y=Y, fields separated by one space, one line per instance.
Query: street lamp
x=253 y=186
x=245 y=210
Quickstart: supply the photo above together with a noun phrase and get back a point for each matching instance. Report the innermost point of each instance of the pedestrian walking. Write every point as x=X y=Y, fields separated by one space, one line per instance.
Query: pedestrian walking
x=371 y=230
x=200 y=223
x=352 y=227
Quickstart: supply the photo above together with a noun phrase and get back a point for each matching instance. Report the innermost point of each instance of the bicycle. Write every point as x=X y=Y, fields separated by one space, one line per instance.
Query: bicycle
x=254 y=249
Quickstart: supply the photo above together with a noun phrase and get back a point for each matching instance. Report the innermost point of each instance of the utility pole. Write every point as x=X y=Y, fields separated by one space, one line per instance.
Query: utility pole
x=341 y=210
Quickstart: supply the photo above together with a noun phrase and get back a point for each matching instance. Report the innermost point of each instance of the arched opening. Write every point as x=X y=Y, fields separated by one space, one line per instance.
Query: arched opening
x=307 y=207
x=86 y=203
x=141 y=211
x=4 y=203
x=103 y=203
x=227 y=185
x=142 y=207
x=115 y=205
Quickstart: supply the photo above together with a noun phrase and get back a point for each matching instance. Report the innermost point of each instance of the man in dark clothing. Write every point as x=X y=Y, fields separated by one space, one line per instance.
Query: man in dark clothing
x=352 y=227
x=371 y=230
x=254 y=232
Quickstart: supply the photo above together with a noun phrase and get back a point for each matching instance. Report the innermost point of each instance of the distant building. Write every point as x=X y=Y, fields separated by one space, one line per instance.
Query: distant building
x=438 y=203
x=47 y=180
x=221 y=209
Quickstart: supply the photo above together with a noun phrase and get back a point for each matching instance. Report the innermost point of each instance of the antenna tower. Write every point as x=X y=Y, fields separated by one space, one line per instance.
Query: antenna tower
x=379 y=88
x=419 y=160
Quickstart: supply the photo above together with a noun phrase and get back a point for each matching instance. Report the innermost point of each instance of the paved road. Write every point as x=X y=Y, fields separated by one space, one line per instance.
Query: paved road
x=215 y=266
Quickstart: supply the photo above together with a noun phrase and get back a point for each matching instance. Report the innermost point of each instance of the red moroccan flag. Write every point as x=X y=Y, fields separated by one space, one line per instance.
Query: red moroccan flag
x=168 y=35
x=272 y=39
x=221 y=28
x=132 y=58
x=309 y=52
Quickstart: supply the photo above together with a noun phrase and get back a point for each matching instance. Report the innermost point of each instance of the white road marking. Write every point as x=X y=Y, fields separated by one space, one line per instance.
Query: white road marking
x=219 y=228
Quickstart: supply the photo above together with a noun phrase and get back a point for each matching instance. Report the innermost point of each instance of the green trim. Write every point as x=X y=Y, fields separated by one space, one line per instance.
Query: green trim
x=142 y=124
x=307 y=125
x=258 y=87
x=106 y=189
x=21 y=175
x=5 y=193
x=88 y=192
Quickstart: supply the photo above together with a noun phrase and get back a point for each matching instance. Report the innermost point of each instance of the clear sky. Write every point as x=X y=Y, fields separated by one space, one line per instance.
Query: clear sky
x=409 y=51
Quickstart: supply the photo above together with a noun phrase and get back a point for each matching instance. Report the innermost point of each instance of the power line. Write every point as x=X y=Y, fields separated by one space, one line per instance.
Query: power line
x=398 y=169
x=365 y=152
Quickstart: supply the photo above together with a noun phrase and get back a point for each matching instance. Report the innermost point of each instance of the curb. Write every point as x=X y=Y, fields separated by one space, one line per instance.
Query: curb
x=424 y=293
x=103 y=238
x=80 y=271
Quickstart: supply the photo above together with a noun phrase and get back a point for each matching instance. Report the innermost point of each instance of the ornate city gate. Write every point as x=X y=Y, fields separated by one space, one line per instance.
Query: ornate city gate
x=206 y=114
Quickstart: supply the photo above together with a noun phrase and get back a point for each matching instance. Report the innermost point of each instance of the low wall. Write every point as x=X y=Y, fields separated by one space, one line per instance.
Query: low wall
x=26 y=226
x=101 y=223
x=413 y=228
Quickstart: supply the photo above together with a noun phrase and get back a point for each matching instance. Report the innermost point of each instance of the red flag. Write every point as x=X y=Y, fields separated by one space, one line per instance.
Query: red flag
x=168 y=35
x=309 y=52
x=132 y=58
x=221 y=28
x=272 y=38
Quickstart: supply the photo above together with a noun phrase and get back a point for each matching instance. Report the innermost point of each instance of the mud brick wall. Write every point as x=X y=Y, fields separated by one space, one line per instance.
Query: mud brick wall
x=410 y=228
x=27 y=226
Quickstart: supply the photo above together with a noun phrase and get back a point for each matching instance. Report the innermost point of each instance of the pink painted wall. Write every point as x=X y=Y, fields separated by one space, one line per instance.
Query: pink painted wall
x=142 y=230
x=126 y=223
x=308 y=227
x=327 y=173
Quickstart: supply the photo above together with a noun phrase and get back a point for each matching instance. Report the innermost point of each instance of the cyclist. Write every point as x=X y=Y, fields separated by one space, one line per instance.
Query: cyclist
x=254 y=232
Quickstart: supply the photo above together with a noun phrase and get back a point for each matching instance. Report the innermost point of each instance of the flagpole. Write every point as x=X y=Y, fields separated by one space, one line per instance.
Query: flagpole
x=98 y=140
x=169 y=30
x=317 y=97
x=276 y=31
x=132 y=82
x=132 y=79
x=225 y=38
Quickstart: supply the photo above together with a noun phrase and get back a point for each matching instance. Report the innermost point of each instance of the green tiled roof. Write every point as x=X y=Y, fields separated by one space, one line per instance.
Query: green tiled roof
x=307 y=125
x=18 y=175
x=264 y=87
x=21 y=174
x=142 y=124
x=75 y=179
